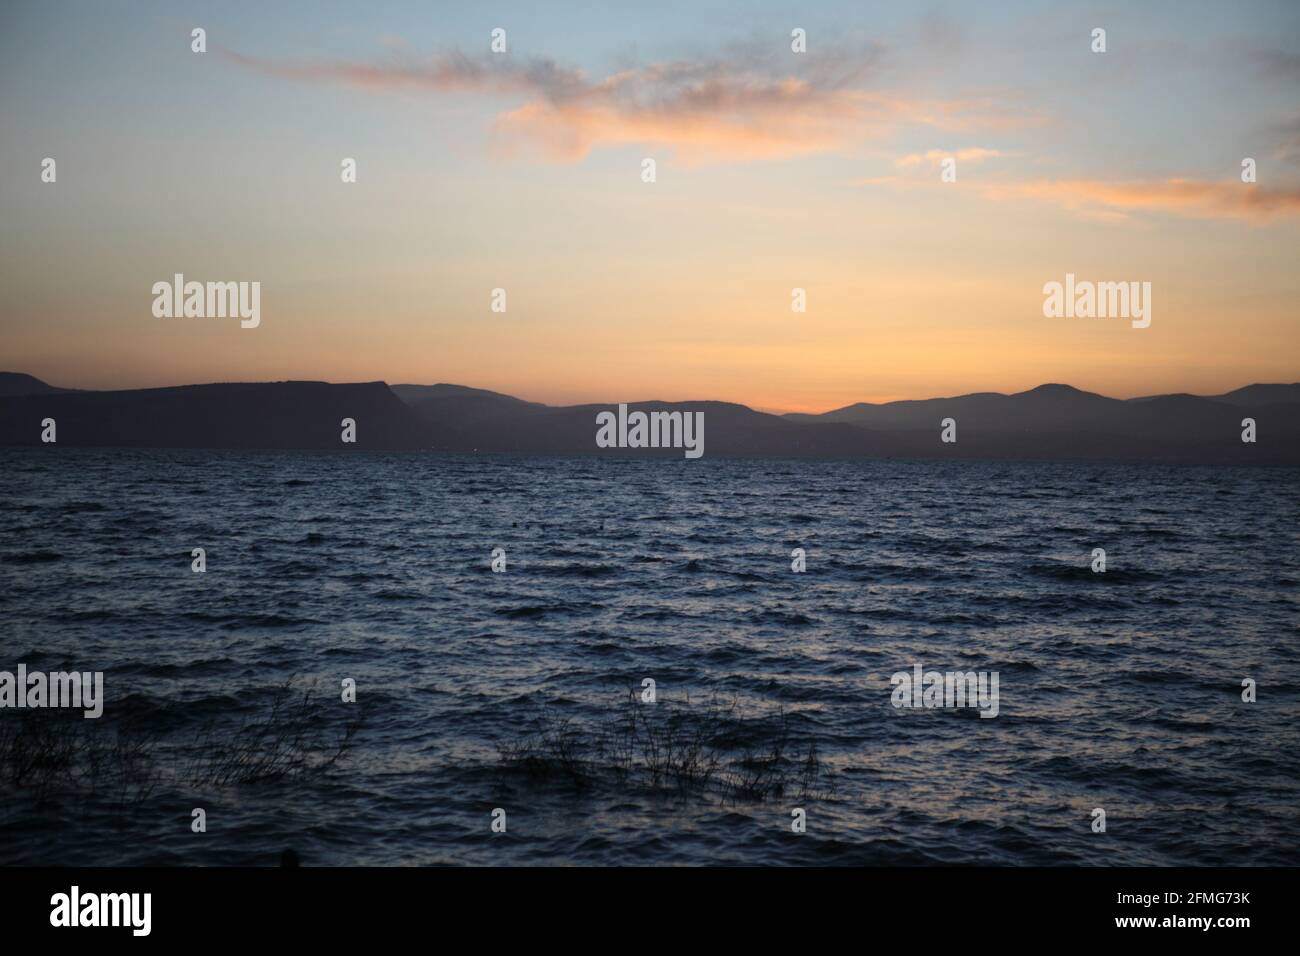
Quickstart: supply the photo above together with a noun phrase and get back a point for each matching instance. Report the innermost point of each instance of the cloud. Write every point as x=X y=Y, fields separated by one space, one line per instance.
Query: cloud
x=971 y=154
x=447 y=73
x=738 y=107
x=1286 y=140
x=1117 y=201
x=1191 y=198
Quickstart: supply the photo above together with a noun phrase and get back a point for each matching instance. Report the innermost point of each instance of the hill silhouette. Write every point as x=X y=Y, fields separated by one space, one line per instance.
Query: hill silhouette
x=238 y=415
x=18 y=383
x=1051 y=421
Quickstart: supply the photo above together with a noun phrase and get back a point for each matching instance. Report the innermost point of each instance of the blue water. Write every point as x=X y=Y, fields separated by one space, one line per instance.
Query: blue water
x=1119 y=690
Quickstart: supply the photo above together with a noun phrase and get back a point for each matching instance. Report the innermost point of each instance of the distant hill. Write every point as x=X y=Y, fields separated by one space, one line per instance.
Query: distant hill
x=1041 y=407
x=1259 y=395
x=1053 y=421
x=1048 y=422
x=18 y=383
x=467 y=407
x=732 y=431
x=243 y=415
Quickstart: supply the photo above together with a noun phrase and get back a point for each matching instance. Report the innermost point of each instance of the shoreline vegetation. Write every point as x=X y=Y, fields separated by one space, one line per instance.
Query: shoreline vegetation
x=50 y=754
x=709 y=750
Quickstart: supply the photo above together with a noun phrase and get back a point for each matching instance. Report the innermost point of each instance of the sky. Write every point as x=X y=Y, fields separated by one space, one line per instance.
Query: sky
x=774 y=170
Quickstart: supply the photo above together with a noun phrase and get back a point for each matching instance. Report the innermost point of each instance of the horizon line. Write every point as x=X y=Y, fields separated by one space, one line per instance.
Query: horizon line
x=649 y=401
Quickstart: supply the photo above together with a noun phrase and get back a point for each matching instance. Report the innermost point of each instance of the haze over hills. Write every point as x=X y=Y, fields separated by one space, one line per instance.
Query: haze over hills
x=1048 y=422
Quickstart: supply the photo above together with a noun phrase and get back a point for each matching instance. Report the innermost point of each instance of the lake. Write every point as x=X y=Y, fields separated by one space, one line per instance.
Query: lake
x=523 y=690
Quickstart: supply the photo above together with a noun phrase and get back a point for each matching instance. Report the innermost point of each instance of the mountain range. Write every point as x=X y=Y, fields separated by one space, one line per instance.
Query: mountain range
x=1047 y=422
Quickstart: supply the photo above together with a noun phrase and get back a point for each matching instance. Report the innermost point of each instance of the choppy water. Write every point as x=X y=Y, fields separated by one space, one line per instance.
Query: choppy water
x=1119 y=691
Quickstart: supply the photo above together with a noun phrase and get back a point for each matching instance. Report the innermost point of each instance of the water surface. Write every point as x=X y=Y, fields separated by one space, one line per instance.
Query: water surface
x=1119 y=690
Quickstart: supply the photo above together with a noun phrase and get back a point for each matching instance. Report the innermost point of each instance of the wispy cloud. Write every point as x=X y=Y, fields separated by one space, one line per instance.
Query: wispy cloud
x=971 y=154
x=722 y=109
x=1118 y=201
x=1286 y=140
x=1192 y=198
x=447 y=73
